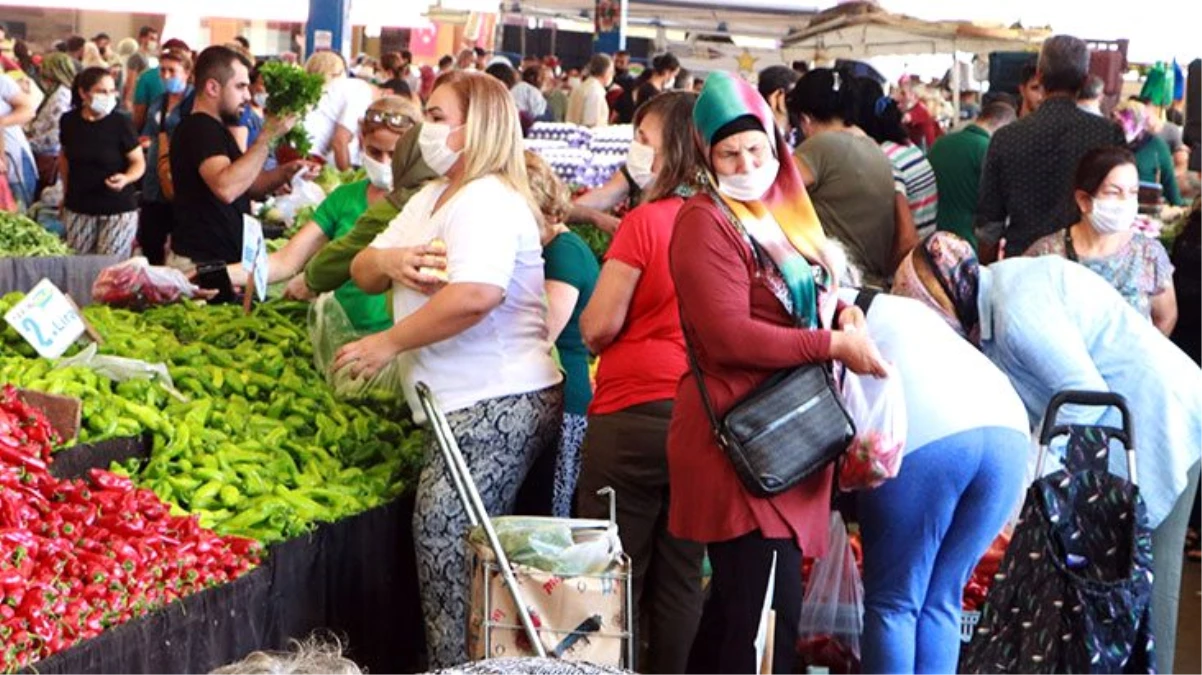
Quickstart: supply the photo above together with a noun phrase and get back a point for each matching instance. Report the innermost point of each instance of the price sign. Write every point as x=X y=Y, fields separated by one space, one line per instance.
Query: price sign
x=47 y=319
x=254 y=254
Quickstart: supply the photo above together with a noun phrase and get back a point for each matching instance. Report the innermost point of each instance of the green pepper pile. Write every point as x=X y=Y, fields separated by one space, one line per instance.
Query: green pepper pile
x=25 y=238
x=261 y=448
x=291 y=91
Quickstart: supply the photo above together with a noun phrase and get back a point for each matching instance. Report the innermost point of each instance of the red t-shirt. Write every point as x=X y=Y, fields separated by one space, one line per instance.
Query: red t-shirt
x=647 y=359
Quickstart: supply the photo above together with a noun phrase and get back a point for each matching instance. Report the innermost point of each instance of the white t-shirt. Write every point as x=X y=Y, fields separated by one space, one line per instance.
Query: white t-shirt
x=587 y=105
x=491 y=238
x=950 y=386
x=343 y=103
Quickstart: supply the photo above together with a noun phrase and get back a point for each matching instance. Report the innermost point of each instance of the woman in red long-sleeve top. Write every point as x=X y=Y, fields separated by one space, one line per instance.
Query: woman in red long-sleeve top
x=742 y=312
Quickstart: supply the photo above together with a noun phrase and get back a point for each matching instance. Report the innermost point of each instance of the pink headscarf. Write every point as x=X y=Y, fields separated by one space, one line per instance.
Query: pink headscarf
x=428 y=77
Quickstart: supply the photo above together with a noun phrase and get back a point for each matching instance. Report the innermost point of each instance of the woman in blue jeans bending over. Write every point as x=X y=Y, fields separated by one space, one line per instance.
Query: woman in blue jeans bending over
x=924 y=531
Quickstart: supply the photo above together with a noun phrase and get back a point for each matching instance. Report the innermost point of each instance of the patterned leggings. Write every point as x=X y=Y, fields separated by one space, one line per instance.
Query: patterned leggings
x=567 y=464
x=499 y=439
x=103 y=235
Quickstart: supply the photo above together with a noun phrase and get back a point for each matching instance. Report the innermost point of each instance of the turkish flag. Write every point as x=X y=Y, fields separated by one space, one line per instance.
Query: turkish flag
x=424 y=41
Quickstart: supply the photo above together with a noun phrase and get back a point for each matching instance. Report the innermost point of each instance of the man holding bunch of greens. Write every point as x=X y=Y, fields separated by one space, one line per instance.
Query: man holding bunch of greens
x=214 y=180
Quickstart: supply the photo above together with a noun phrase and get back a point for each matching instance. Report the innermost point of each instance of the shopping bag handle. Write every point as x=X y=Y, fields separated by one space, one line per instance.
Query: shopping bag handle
x=1104 y=399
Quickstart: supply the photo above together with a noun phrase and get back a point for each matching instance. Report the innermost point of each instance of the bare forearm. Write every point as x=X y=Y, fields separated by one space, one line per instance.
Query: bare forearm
x=368 y=270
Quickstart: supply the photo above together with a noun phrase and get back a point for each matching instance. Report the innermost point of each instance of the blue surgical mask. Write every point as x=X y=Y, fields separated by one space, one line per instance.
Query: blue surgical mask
x=175 y=85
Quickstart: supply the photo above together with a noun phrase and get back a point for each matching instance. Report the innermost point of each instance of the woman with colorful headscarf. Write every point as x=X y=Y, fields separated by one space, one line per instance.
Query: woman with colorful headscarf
x=748 y=313
x=1052 y=325
x=1153 y=158
x=58 y=72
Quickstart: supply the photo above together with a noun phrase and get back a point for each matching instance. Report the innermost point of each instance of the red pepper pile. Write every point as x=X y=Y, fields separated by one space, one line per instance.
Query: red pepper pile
x=76 y=558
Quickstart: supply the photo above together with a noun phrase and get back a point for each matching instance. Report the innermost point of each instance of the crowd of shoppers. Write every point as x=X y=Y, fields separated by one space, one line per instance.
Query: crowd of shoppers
x=756 y=218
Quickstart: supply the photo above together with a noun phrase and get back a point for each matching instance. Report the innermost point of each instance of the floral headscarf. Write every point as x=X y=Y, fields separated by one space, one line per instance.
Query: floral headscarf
x=955 y=275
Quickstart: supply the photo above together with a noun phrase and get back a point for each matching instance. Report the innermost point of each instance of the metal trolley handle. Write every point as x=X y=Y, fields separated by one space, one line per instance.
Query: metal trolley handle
x=477 y=514
x=1104 y=399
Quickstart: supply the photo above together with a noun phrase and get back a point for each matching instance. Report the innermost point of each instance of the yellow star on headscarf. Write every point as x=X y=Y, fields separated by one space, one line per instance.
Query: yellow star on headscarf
x=746 y=62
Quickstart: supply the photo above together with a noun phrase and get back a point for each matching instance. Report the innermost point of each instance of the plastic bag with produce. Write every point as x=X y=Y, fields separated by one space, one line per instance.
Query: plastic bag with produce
x=137 y=284
x=832 y=610
x=878 y=407
x=329 y=329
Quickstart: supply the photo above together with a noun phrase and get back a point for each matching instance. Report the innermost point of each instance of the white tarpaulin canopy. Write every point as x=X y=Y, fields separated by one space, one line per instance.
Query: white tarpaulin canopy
x=862 y=30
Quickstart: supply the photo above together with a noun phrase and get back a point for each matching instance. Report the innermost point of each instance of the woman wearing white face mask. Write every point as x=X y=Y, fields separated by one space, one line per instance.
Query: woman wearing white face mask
x=1104 y=240
x=477 y=334
x=382 y=127
x=633 y=324
x=100 y=162
x=749 y=313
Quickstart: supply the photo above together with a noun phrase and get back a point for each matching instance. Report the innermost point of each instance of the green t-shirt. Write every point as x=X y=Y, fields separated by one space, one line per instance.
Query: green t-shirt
x=336 y=216
x=957 y=159
x=148 y=88
x=569 y=259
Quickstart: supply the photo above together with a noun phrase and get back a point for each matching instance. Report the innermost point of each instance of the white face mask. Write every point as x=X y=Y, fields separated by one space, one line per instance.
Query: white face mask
x=1111 y=216
x=573 y=82
x=103 y=104
x=260 y=99
x=432 y=142
x=639 y=159
x=379 y=173
x=750 y=187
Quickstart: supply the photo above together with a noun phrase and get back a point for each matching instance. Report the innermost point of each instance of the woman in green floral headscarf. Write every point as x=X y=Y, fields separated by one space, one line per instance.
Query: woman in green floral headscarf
x=58 y=72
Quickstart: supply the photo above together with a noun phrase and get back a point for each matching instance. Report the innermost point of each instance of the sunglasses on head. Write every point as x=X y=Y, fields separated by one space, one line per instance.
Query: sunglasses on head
x=395 y=120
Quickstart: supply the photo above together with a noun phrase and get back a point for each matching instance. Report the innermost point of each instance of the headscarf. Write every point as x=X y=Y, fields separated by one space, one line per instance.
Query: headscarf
x=409 y=171
x=1132 y=116
x=955 y=275
x=428 y=78
x=58 y=69
x=799 y=240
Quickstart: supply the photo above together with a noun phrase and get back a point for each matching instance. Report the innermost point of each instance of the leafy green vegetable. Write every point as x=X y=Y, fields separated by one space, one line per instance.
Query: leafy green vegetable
x=25 y=238
x=598 y=240
x=291 y=91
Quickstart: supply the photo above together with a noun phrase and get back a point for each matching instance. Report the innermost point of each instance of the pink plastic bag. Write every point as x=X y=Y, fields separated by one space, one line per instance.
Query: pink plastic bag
x=878 y=407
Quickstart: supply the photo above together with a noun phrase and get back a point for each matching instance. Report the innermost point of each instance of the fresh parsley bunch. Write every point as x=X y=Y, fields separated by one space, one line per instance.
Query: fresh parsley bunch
x=291 y=91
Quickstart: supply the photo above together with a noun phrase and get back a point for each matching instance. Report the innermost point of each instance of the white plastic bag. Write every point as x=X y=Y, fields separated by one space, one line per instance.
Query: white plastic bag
x=833 y=606
x=136 y=283
x=304 y=193
x=120 y=369
x=557 y=545
x=329 y=329
x=878 y=408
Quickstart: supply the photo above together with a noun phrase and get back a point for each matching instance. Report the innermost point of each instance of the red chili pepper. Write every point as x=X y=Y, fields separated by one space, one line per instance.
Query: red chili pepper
x=107 y=480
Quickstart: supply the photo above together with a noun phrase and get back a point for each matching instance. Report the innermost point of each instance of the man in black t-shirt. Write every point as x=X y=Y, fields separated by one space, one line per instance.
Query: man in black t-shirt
x=214 y=180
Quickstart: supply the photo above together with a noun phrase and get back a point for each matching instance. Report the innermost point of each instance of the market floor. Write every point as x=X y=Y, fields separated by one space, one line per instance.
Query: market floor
x=1189 y=621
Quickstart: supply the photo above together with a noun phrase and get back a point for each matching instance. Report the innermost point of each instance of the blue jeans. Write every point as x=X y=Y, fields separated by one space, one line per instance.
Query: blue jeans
x=923 y=533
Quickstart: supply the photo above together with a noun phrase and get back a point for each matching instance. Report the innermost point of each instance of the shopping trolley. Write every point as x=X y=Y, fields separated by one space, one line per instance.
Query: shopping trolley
x=1074 y=591
x=581 y=617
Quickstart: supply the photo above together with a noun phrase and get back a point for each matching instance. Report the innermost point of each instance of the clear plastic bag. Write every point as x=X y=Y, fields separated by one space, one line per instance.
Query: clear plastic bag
x=330 y=328
x=832 y=610
x=135 y=283
x=878 y=407
x=120 y=369
x=556 y=545
x=304 y=193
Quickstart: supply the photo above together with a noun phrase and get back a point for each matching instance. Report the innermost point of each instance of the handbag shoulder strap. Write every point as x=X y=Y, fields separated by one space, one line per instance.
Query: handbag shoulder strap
x=715 y=425
x=865 y=297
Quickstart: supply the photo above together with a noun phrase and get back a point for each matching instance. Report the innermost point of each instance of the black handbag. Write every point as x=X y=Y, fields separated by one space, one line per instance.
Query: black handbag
x=788 y=428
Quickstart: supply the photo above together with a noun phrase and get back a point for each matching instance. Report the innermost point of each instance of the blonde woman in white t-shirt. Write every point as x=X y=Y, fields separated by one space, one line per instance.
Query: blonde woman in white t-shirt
x=479 y=339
